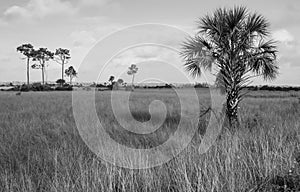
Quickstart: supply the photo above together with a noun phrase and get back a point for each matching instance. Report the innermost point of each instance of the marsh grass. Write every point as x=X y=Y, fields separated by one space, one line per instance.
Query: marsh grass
x=41 y=149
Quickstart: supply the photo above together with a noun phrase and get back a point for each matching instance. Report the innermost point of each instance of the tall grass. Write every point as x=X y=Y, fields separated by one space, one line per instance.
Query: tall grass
x=41 y=149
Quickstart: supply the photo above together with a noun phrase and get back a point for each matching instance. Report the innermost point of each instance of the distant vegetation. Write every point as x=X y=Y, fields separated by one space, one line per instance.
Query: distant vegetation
x=273 y=88
x=124 y=84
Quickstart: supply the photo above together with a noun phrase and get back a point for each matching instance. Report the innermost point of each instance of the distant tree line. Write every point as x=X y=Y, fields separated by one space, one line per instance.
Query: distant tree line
x=166 y=86
x=272 y=88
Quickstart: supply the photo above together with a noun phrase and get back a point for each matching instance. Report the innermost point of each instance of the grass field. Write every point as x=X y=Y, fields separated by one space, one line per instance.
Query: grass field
x=41 y=149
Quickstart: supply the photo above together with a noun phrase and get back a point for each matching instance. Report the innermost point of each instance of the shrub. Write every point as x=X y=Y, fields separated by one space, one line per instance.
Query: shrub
x=64 y=88
x=100 y=85
x=40 y=87
x=60 y=81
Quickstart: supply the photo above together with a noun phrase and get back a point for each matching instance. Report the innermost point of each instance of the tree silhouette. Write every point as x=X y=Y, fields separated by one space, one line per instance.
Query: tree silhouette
x=111 y=80
x=120 y=81
x=234 y=42
x=60 y=81
x=71 y=73
x=132 y=70
x=27 y=50
x=42 y=55
x=62 y=57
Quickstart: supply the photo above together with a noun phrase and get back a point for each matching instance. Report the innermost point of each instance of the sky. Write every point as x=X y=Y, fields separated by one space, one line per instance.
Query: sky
x=106 y=36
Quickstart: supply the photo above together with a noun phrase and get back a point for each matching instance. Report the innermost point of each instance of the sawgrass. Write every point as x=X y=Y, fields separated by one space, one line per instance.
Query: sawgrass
x=41 y=149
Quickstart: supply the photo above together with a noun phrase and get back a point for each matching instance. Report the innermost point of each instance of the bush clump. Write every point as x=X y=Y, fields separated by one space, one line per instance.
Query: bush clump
x=32 y=87
x=64 y=88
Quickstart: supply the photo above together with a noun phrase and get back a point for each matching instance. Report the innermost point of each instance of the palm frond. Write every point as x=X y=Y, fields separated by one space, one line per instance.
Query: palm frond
x=192 y=66
x=263 y=60
x=235 y=17
x=257 y=24
x=197 y=54
x=266 y=67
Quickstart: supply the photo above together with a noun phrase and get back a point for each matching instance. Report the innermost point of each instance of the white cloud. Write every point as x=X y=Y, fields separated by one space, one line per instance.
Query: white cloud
x=94 y=7
x=82 y=12
x=288 y=47
x=36 y=9
x=16 y=12
x=283 y=36
x=106 y=29
x=87 y=38
x=93 y=2
x=146 y=53
x=82 y=38
x=4 y=59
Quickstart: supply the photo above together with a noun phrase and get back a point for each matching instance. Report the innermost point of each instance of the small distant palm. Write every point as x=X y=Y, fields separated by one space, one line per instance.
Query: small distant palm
x=120 y=81
x=111 y=79
x=132 y=70
x=71 y=73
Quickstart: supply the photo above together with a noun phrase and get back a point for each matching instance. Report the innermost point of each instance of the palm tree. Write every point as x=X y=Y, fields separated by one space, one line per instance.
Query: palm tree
x=26 y=50
x=120 y=81
x=71 y=73
x=42 y=55
x=234 y=42
x=62 y=58
x=111 y=80
x=132 y=70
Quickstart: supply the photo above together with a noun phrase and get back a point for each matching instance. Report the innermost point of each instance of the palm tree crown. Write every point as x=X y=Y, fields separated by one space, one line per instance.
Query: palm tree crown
x=62 y=58
x=71 y=73
x=42 y=55
x=132 y=70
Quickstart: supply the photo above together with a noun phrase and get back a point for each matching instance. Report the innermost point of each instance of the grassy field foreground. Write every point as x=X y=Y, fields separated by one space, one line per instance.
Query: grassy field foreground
x=41 y=149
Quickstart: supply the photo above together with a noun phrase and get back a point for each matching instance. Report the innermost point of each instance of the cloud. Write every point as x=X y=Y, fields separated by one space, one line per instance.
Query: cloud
x=82 y=38
x=288 y=47
x=283 y=36
x=146 y=53
x=290 y=60
x=87 y=38
x=289 y=55
x=4 y=60
x=89 y=3
x=94 y=7
x=15 y=12
x=287 y=16
x=37 y=9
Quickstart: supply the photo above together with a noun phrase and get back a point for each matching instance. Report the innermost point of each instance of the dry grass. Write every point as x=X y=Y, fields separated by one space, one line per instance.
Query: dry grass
x=41 y=150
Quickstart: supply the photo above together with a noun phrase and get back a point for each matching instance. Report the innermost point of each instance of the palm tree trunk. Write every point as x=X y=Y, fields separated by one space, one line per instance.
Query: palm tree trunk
x=132 y=86
x=27 y=71
x=232 y=102
x=62 y=73
x=43 y=78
